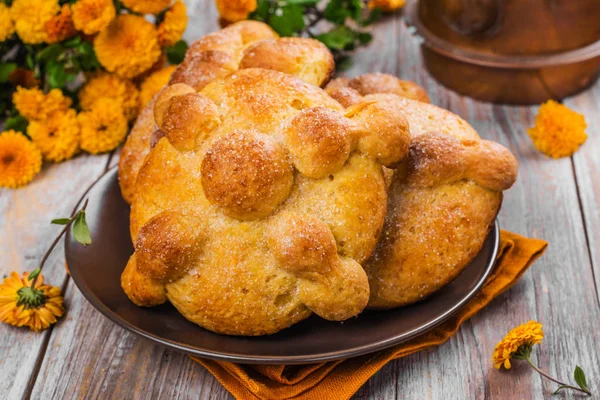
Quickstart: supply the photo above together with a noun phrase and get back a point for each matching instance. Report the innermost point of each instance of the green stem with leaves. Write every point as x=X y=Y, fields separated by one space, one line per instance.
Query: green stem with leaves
x=562 y=384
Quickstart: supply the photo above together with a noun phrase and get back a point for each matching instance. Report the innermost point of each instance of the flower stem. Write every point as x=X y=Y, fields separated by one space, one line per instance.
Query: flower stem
x=555 y=380
x=53 y=245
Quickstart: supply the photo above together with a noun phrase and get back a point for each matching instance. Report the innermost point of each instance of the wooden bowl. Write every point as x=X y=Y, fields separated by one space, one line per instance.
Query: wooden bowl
x=516 y=52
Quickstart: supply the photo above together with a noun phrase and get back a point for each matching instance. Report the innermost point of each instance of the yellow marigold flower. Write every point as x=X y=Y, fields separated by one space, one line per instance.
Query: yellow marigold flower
x=60 y=27
x=147 y=6
x=34 y=105
x=235 y=10
x=387 y=5
x=57 y=137
x=30 y=17
x=7 y=27
x=91 y=16
x=172 y=27
x=20 y=160
x=22 y=304
x=558 y=130
x=154 y=83
x=128 y=46
x=119 y=90
x=523 y=335
x=103 y=127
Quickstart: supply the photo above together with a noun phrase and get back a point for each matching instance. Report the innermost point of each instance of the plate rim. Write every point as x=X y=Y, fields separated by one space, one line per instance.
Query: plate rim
x=89 y=295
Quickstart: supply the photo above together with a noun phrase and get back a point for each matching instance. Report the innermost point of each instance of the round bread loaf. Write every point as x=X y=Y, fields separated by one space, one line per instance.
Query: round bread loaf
x=442 y=200
x=260 y=201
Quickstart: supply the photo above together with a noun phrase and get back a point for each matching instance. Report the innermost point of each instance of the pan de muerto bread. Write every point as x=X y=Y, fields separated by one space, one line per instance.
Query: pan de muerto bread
x=246 y=44
x=442 y=201
x=260 y=202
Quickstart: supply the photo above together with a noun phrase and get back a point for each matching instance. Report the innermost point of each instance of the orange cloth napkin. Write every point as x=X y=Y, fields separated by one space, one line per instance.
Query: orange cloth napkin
x=341 y=379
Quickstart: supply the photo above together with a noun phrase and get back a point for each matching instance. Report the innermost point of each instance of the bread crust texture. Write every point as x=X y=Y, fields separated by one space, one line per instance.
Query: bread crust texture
x=260 y=201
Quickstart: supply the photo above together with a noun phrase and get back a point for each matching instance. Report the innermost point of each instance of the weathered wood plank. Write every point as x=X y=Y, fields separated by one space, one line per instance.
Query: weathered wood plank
x=587 y=170
x=25 y=235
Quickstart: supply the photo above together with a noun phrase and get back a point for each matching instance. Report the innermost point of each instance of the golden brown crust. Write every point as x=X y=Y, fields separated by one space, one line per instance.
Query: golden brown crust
x=443 y=198
x=436 y=159
x=375 y=83
x=442 y=202
x=307 y=59
x=390 y=144
x=188 y=120
x=247 y=174
x=319 y=141
x=135 y=150
x=430 y=235
x=275 y=244
x=217 y=55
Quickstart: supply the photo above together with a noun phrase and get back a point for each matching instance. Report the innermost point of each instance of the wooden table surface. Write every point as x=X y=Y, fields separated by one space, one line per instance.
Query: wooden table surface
x=87 y=356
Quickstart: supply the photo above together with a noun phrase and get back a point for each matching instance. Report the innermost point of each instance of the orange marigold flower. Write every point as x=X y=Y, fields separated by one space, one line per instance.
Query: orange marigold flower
x=91 y=16
x=105 y=85
x=7 y=27
x=20 y=160
x=558 y=130
x=33 y=104
x=22 y=304
x=235 y=10
x=523 y=335
x=103 y=127
x=171 y=29
x=30 y=17
x=128 y=46
x=57 y=137
x=147 y=6
x=60 y=27
x=387 y=5
x=153 y=83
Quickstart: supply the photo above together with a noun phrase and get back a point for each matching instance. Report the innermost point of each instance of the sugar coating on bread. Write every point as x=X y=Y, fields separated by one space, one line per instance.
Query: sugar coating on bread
x=442 y=200
x=246 y=44
x=248 y=224
x=348 y=91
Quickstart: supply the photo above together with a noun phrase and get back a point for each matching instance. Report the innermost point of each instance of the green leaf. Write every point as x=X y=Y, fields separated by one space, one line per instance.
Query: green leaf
x=560 y=388
x=85 y=48
x=336 y=12
x=303 y=2
x=50 y=53
x=5 y=70
x=176 y=53
x=262 y=11
x=339 y=38
x=17 y=123
x=57 y=76
x=73 y=42
x=29 y=61
x=364 y=37
x=81 y=232
x=61 y=221
x=34 y=274
x=579 y=376
x=287 y=20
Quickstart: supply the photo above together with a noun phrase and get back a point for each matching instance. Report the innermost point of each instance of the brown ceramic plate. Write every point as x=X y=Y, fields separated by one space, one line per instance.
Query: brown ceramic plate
x=96 y=270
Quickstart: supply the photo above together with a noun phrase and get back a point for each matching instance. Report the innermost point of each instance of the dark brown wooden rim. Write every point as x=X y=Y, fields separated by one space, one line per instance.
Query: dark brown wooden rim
x=304 y=359
x=450 y=50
